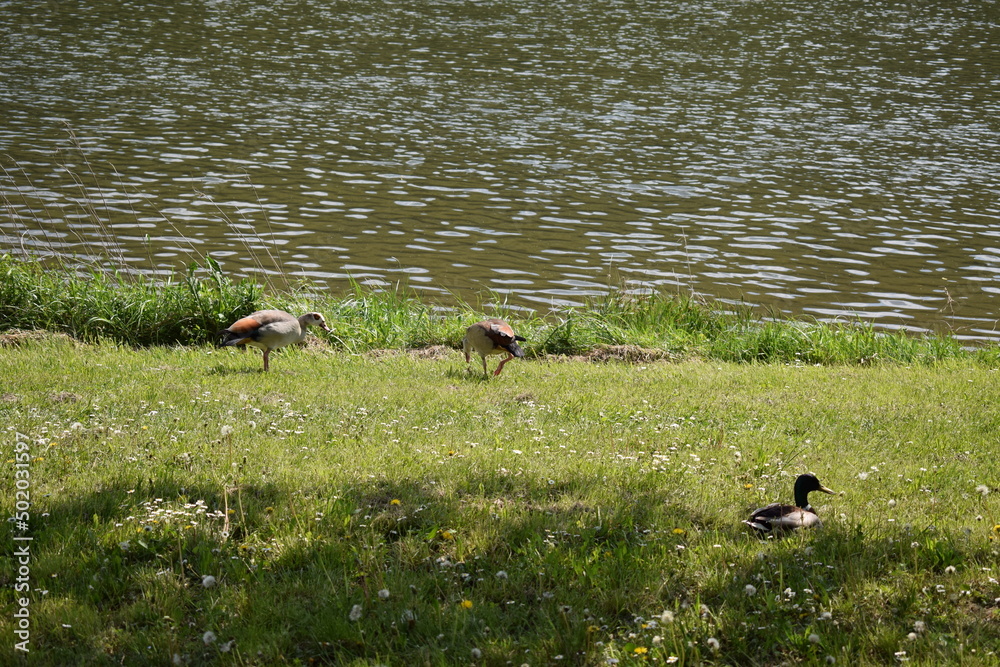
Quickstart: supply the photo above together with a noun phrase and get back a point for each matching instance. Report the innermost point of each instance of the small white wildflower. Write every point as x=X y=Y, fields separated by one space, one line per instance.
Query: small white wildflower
x=476 y=654
x=814 y=638
x=912 y=636
x=983 y=489
x=667 y=616
x=228 y=646
x=209 y=637
x=862 y=476
x=355 y=613
x=713 y=643
x=501 y=574
x=914 y=545
x=208 y=581
x=750 y=589
x=672 y=660
x=227 y=430
x=892 y=503
x=950 y=569
x=657 y=640
x=383 y=594
x=825 y=616
x=919 y=626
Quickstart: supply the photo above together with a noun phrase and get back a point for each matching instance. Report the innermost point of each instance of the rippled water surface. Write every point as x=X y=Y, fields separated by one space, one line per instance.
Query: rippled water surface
x=830 y=159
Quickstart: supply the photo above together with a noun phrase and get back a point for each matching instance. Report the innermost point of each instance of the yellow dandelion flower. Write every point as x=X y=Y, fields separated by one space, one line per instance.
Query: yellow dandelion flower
x=466 y=604
x=394 y=501
x=268 y=509
x=640 y=650
x=996 y=529
x=231 y=512
x=679 y=531
x=145 y=428
x=748 y=486
x=447 y=535
x=592 y=628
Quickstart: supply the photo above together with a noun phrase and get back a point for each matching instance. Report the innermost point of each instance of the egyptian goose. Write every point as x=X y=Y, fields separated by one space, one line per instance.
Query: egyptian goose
x=492 y=336
x=269 y=330
x=778 y=518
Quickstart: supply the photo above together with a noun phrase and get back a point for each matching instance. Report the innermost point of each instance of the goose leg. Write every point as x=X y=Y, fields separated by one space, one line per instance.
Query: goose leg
x=500 y=367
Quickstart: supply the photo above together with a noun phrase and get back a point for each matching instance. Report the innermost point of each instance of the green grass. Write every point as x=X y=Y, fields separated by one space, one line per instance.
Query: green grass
x=570 y=504
x=94 y=304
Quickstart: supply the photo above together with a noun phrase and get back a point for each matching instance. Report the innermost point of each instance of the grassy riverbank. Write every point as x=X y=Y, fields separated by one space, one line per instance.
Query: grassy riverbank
x=394 y=508
x=188 y=309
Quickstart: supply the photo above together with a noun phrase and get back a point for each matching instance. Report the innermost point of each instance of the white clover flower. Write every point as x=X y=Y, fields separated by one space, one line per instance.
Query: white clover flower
x=862 y=476
x=950 y=569
x=208 y=581
x=355 y=613
x=892 y=503
x=912 y=636
x=209 y=637
x=383 y=594
x=750 y=589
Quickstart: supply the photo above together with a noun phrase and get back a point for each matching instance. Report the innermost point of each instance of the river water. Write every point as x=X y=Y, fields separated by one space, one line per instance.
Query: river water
x=836 y=159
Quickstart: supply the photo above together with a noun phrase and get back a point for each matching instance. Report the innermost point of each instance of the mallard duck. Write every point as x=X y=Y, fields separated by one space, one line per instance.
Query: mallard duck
x=777 y=517
x=269 y=330
x=492 y=336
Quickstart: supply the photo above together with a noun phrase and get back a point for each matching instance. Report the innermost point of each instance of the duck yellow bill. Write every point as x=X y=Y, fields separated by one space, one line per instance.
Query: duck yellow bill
x=826 y=490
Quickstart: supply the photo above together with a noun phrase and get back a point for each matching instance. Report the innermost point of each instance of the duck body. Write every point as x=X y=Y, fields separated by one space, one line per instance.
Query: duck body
x=492 y=336
x=269 y=330
x=779 y=518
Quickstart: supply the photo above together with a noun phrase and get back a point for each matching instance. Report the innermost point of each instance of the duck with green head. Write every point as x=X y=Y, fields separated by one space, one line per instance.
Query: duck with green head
x=776 y=518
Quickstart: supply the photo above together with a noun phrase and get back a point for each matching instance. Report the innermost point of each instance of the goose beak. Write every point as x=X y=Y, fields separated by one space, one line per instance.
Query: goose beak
x=826 y=490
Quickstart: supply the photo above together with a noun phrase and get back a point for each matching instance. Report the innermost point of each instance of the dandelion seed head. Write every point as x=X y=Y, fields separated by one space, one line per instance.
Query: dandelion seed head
x=983 y=489
x=209 y=637
x=713 y=643
x=667 y=616
x=750 y=589
x=476 y=654
x=383 y=594
x=208 y=581
x=919 y=626
x=814 y=638
x=355 y=613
